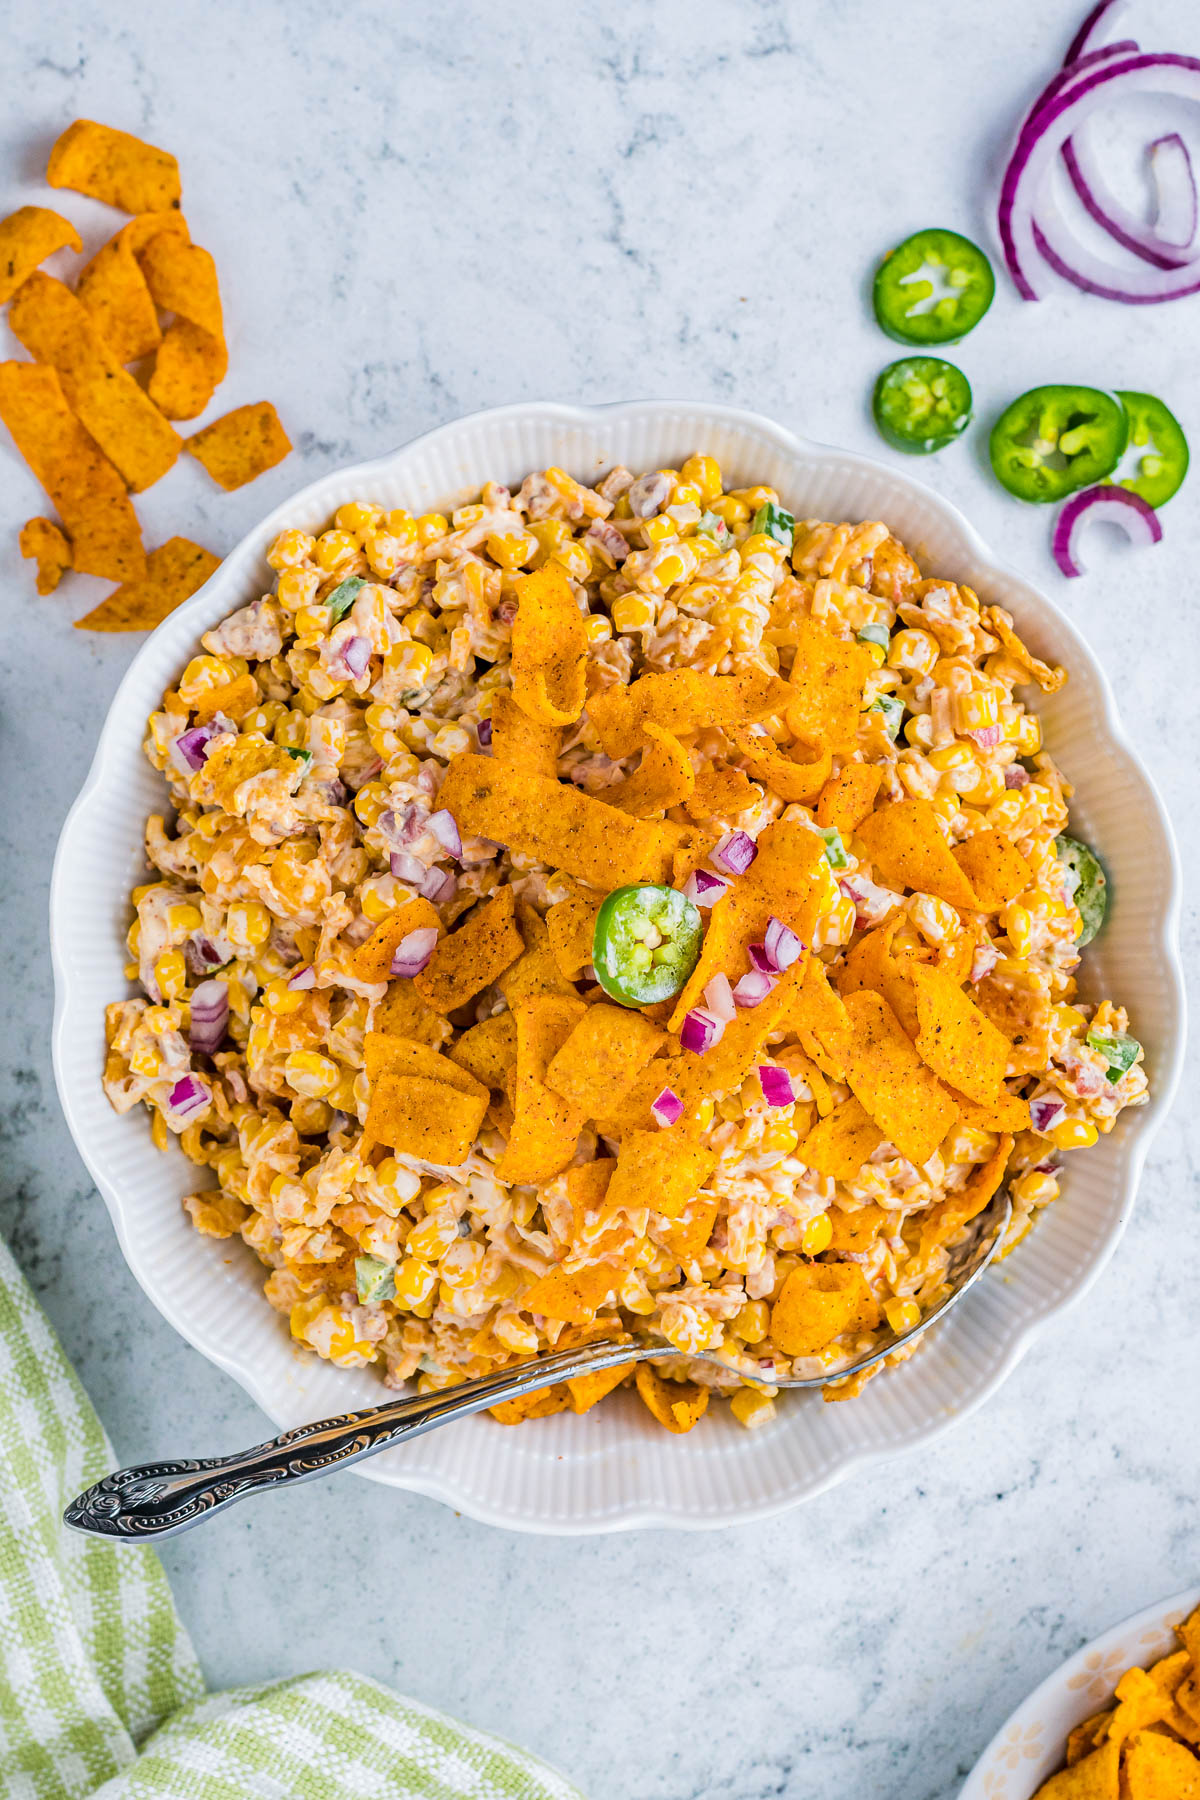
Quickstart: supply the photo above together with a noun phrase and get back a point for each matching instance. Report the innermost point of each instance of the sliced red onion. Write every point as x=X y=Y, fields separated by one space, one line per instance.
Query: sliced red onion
x=483 y=734
x=1168 y=243
x=1029 y=219
x=703 y=888
x=188 y=1097
x=407 y=867
x=700 y=1031
x=209 y=1008
x=1045 y=1114
x=1104 y=17
x=1112 y=506
x=667 y=1108
x=1177 y=206
x=987 y=737
x=984 y=961
x=413 y=952
x=718 y=998
x=442 y=826
x=781 y=945
x=438 y=885
x=753 y=988
x=735 y=852
x=1015 y=776
x=776 y=1085
x=189 y=751
x=303 y=979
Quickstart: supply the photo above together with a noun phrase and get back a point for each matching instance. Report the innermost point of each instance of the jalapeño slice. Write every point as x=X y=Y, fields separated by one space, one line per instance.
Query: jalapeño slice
x=1157 y=434
x=1055 y=440
x=921 y=404
x=912 y=309
x=646 y=944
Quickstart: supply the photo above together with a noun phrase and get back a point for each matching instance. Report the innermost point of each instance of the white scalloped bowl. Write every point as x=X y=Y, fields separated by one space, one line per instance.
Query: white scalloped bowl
x=1032 y=1742
x=614 y=1469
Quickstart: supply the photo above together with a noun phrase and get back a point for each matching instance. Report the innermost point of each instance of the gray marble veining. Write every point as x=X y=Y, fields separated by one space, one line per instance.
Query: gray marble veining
x=421 y=209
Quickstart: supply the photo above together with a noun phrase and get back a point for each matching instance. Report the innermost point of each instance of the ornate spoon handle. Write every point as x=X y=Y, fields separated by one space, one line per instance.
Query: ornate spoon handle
x=161 y=1499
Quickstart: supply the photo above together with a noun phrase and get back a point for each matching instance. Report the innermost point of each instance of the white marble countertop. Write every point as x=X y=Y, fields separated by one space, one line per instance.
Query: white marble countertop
x=419 y=210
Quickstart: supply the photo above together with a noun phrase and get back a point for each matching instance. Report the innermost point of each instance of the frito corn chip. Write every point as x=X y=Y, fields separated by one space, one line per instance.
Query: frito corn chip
x=1007 y=1112
x=1155 y=1768
x=47 y=543
x=1018 y=1004
x=681 y=701
x=958 y=1042
x=174 y=572
x=188 y=369
x=659 y=1169
x=905 y=1098
x=233 y=698
x=597 y=1063
x=241 y=446
x=848 y=797
x=435 y=1120
x=996 y=871
x=554 y=823
x=386 y=1053
x=88 y=493
x=907 y=848
x=676 y=1404
x=1140 y=1702
x=543 y=1403
x=576 y=1294
x=27 y=238
x=537 y=970
x=114 y=167
x=664 y=777
x=571 y=925
x=488 y=1051
x=945 y=1220
x=586 y=1185
x=820 y=1020
x=520 y=742
x=841 y=1143
x=403 y=1013
x=183 y=280
x=372 y=960
x=1096 y=1777
x=686 y=1237
x=466 y=960
x=1083 y=1740
x=781 y=882
x=545 y=1127
x=792 y=778
x=233 y=762
x=819 y=1302
x=1048 y=678
x=826 y=683
x=113 y=288
x=721 y=794
x=873 y=965
x=549 y=648
x=108 y=402
x=854 y=1232
x=588 y=1390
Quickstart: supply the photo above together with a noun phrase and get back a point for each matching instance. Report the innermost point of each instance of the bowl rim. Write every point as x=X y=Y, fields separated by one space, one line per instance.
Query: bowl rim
x=1047 y=1694
x=1110 y=726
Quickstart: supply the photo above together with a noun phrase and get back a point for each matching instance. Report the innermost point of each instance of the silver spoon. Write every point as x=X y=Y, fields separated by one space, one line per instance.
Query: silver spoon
x=161 y=1499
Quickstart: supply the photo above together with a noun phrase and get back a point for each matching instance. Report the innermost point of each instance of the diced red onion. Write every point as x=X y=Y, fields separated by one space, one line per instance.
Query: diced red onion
x=781 y=944
x=398 y=830
x=718 y=998
x=483 y=734
x=443 y=827
x=304 y=978
x=987 y=737
x=753 y=988
x=760 y=960
x=438 y=885
x=407 y=867
x=648 y=493
x=1045 y=1114
x=209 y=1017
x=355 y=655
x=735 y=852
x=1015 y=776
x=776 y=1085
x=1045 y=1168
x=703 y=888
x=872 y=903
x=188 y=1097
x=200 y=955
x=667 y=1108
x=1114 y=506
x=189 y=751
x=413 y=952
x=984 y=961
x=700 y=1031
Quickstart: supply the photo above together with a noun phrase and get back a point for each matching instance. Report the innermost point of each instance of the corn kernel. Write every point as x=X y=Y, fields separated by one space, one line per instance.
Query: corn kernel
x=633 y=612
x=398 y=1182
x=402 y=526
x=901 y=1315
x=704 y=474
x=735 y=512
x=356 y=516
x=818 y=1235
x=170 y=974
x=282 y=999
x=752 y=1408
x=551 y=534
x=779 y=1136
x=450 y=740
x=312 y=623
x=415 y=1282
x=672 y=568
x=951 y=756
x=376 y=905
x=598 y=629
x=370 y=800
x=202 y=675
x=705 y=1112
x=752 y=1322
x=976 y=711
x=333 y=549
x=302 y=1314
x=512 y=550
x=574 y=557
x=914 y=651
x=1035 y=1189
x=430 y=527
x=1029 y=735
x=290 y=547
x=184 y=919
x=1018 y=925
x=658 y=529
x=411 y=662
x=1068 y=1019
x=1074 y=1134
x=310 y=1074
x=248 y=924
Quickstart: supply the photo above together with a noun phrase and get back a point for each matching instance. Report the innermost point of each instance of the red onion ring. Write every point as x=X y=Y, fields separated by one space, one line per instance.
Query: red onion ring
x=1105 y=16
x=1114 y=506
x=1170 y=242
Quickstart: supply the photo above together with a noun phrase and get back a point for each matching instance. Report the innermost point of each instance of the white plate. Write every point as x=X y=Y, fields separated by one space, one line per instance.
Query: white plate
x=1032 y=1744
x=614 y=1468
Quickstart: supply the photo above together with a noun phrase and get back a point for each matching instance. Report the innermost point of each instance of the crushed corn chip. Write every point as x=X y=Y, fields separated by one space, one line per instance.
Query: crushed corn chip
x=47 y=543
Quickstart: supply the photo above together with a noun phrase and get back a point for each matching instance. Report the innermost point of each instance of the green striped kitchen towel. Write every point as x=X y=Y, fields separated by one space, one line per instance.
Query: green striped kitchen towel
x=100 y=1690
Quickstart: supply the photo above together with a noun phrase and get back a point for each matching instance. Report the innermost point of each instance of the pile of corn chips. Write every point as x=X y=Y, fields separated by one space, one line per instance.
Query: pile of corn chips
x=87 y=428
x=1146 y=1745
